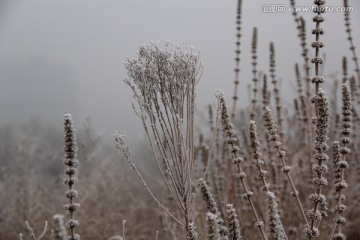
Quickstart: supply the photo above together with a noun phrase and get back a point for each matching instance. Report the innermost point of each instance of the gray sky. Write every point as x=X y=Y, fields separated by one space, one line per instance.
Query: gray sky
x=67 y=56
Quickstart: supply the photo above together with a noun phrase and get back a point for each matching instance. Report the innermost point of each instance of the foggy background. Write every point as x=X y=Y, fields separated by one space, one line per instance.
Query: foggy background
x=67 y=56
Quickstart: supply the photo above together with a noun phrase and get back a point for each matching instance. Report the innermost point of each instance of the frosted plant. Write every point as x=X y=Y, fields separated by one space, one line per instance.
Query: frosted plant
x=124 y=148
x=351 y=40
x=277 y=93
x=213 y=226
x=212 y=207
x=192 y=232
x=321 y=121
x=265 y=92
x=276 y=229
x=231 y=140
x=163 y=81
x=317 y=44
x=31 y=231
x=322 y=127
x=237 y=57
x=257 y=155
x=233 y=223
x=341 y=164
x=254 y=71
x=274 y=138
x=71 y=162
x=208 y=197
x=59 y=230
x=301 y=27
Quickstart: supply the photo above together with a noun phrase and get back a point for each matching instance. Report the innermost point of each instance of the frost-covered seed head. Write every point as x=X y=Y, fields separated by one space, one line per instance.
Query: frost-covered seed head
x=247 y=195
x=312 y=232
x=213 y=226
x=233 y=222
x=208 y=197
x=192 y=232
x=71 y=162
x=59 y=229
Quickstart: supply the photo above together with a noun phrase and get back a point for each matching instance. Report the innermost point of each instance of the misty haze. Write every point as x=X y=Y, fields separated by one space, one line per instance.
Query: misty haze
x=67 y=68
